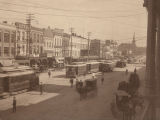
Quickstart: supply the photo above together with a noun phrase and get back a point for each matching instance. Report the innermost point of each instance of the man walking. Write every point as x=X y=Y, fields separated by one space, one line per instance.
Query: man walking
x=41 y=88
x=102 y=79
x=71 y=81
x=49 y=73
x=14 y=104
x=126 y=71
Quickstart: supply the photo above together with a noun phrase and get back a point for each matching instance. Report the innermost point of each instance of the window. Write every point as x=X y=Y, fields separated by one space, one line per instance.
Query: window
x=55 y=42
x=41 y=39
x=23 y=36
x=6 y=51
x=13 y=37
x=38 y=38
x=35 y=37
x=18 y=35
x=37 y=49
x=6 y=37
x=12 y=51
x=23 y=49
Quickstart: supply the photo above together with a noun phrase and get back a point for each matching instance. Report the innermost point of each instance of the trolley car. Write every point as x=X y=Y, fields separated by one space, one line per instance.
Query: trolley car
x=75 y=70
x=107 y=66
x=17 y=78
x=93 y=67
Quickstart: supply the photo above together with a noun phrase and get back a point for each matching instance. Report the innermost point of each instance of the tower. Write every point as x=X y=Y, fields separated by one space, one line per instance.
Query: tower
x=134 y=41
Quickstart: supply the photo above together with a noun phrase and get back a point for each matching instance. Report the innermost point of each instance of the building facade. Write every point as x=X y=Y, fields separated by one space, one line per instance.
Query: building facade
x=78 y=44
x=58 y=36
x=97 y=48
x=36 y=42
x=65 y=45
x=7 y=40
x=21 y=39
x=48 y=42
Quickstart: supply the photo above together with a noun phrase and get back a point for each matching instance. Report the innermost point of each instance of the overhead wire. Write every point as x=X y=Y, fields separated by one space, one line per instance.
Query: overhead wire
x=95 y=17
x=60 y=9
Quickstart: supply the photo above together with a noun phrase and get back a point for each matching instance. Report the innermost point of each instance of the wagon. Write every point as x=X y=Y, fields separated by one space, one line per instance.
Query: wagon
x=87 y=87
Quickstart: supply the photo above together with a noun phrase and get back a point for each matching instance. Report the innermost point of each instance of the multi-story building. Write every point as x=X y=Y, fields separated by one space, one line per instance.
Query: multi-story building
x=58 y=36
x=78 y=44
x=97 y=48
x=49 y=42
x=65 y=45
x=7 y=40
x=21 y=39
x=110 y=49
x=36 y=42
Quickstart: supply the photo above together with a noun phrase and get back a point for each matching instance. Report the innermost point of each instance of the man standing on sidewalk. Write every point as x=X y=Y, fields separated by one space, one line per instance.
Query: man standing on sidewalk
x=14 y=104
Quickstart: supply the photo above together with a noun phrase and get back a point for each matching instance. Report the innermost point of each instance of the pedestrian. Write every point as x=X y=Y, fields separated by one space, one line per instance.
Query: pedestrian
x=71 y=81
x=126 y=71
x=135 y=70
x=102 y=79
x=14 y=104
x=41 y=88
x=93 y=76
x=49 y=73
x=81 y=84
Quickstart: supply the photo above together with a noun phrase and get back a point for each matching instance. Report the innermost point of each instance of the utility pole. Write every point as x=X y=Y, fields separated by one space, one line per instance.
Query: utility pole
x=28 y=23
x=88 y=34
x=71 y=30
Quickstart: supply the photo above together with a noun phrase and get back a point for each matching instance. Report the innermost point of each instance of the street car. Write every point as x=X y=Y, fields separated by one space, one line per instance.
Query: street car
x=16 y=78
x=121 y=64
x=75 y=70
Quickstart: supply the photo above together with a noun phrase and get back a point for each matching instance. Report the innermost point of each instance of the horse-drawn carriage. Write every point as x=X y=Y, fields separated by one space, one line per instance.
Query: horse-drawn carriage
x=127 y=98
x=87 y=87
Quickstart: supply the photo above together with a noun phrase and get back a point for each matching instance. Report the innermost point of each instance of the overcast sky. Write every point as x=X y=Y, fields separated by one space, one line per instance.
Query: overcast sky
x=105 y=19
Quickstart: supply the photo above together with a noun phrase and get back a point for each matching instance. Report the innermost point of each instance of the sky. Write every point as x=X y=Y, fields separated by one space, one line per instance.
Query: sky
x=105 y=19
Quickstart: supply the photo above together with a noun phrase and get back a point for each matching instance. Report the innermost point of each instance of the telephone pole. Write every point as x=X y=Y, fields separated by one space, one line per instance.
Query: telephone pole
x=88 y=34
x=28 y=24
x=71 y=30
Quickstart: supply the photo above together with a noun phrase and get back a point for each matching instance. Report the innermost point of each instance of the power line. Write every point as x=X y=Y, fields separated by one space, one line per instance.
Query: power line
x=60 y=9
x=95 y=17
x=132 y=38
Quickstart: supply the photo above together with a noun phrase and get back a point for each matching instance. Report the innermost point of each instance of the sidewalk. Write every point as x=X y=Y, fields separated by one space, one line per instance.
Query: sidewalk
x=26 y=99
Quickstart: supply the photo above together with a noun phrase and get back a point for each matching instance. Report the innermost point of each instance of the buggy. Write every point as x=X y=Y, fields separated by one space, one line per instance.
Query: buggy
x=88 y=86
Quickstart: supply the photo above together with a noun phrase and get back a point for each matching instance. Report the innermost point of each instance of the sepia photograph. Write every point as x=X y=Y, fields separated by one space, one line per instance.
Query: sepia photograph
x=79 y=60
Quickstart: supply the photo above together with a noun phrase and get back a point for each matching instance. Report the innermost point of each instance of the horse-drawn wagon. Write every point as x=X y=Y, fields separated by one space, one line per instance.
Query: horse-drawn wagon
x=89 y=86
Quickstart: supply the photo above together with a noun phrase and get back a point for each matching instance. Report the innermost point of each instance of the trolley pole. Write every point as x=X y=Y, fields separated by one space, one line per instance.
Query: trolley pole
x=71 y=30
x=88 y=34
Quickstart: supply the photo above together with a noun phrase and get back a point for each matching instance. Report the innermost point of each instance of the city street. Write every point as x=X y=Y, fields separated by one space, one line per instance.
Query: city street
x=61 y=102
